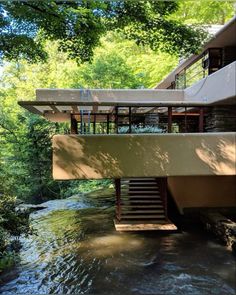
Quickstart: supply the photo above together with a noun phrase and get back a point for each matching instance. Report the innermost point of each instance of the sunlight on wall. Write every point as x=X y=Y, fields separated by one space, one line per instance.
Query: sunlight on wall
x=221 y=160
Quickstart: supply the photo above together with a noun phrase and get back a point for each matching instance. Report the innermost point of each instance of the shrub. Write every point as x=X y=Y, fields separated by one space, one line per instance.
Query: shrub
x=13 y=223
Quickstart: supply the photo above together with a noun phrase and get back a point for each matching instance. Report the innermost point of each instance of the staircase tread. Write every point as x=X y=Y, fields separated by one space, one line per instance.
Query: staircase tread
x=145 y=197
x=141 y=186
x=142 y=212
x=140 y=192
x=139 y=178
x=144 y=225
x=139 y=183
x=140 y=189
x=166 y=221
x=144 y=202
x=142 y=206
x=143 y=216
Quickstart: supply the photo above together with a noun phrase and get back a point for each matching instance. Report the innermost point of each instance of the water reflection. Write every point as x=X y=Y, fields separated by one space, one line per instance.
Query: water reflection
x=76 y=250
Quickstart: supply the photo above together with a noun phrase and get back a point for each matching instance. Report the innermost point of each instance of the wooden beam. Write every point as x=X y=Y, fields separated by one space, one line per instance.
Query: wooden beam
x=169 y=119
x=73 y=125
x=55 y=109
x=33 y=110
x=81 y=122
x=94 y=123
x=95 y=109
x=75 y=108
x=201 y=119
x=183 y=114
x=185 y=119
x=108 y=123
x=130 y=120
x=118 y=198
x=116 y=119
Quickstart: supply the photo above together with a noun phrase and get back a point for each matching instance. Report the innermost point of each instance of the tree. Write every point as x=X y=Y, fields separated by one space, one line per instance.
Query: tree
x=205 y=12
x=25 y=139
x=121 y=63
x=78 y=26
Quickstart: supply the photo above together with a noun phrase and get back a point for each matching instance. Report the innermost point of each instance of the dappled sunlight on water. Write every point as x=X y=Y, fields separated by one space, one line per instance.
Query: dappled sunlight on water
x=77 y=250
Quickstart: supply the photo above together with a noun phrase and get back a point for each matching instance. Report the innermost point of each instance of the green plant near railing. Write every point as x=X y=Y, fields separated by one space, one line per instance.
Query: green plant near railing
x=140 y=129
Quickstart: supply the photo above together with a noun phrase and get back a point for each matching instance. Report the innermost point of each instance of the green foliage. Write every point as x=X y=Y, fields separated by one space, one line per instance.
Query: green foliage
x=13 y=224
x=91 y=185
x=121 y=63
x=141 y=129
x=7 y=259
x=25 y=144
x=4 y=236
x=85 y=186
x=204 y=12
x=143 y=47
x=78 y=26
x=25 y=139
x=37 y=160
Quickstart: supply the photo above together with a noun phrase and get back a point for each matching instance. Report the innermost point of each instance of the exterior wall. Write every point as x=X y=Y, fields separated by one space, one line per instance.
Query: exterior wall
x=203 y=191
x=219 y=86
x=139 y=155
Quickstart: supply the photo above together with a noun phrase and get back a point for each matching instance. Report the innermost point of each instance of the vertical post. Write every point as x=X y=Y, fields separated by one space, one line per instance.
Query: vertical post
x=81 y=122
x=89 y=122
x=185 y=119
x=130 y=120
x=116 y=119
x=73 y=125
x=169 y=119
x=164 y=192
x=108 y=123
x=201 y=119
x=185 y=78
x=162 y=184
x=118 y=198
x=94 y=124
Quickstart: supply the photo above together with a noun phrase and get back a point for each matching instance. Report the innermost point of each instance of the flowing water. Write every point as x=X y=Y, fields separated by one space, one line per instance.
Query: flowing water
x=77 y=251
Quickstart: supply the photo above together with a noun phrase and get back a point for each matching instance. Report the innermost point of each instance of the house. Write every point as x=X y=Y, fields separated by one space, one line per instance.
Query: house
x=179 y=138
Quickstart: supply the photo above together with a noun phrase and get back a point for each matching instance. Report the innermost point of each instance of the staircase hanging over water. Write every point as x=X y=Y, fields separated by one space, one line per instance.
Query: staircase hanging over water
x=141 y=204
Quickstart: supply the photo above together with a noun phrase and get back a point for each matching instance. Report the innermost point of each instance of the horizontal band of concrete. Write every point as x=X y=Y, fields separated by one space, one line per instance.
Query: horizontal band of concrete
x=109 y=95
x=143 y=155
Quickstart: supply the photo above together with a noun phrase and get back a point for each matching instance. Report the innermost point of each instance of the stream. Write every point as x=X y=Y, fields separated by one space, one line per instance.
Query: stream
x=76 y=250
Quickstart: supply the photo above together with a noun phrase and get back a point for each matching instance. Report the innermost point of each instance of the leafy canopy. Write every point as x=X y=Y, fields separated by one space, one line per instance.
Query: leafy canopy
x=78 y=26
x=205 y=12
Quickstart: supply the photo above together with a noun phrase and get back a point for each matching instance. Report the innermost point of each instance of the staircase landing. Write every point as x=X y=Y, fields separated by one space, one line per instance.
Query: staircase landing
x=144 y=226
x=141 y=204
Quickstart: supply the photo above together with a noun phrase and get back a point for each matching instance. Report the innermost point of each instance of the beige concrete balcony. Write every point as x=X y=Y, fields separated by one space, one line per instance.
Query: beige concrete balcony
x=217 y=87
x=143 y=155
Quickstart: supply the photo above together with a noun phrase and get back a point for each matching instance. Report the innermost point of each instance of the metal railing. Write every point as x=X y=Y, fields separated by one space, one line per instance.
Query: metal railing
x=122 y=121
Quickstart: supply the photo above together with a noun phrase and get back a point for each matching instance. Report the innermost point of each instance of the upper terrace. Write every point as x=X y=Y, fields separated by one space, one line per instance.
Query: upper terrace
x=126 y=107
x=197 y=85
x=215 y=54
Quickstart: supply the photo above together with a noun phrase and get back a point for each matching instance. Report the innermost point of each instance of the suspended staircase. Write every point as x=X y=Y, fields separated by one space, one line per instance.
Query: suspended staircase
x=141 y=204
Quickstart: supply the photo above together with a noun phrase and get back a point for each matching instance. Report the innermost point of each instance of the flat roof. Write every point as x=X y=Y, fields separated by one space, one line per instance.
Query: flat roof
x=104 y=100
x=61 y=101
